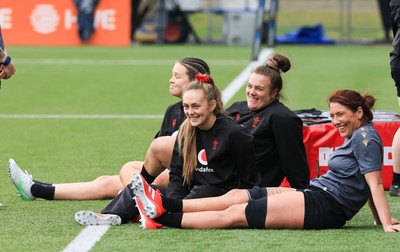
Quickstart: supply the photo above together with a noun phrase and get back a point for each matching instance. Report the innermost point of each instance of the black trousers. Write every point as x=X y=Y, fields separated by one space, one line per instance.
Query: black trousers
x=395 y=54
x=125 y=206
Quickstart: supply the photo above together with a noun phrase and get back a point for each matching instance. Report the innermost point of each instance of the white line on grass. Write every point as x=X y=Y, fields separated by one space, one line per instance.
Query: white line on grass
x=140 y=62
x=38 y=116
x=227 y=95
x=90 y=235
x=87 y=238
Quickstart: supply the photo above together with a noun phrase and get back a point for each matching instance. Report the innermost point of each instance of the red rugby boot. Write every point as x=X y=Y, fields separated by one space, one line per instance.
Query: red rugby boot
x=150 y=198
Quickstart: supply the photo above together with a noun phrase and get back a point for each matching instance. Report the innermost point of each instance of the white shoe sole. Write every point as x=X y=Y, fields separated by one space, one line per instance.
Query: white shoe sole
x=89 y=218
x=138 y=190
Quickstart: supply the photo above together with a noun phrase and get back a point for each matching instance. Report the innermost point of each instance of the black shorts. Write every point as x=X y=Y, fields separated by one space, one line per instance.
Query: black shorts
x=322 y=211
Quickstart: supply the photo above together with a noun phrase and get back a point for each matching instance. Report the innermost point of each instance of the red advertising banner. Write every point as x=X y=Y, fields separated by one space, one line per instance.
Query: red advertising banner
x=54 y=23
x=322 y=139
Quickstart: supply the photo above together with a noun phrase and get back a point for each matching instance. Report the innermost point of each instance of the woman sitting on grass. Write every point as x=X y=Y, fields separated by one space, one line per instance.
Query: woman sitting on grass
x=212 y=155
x=105 y=187
x=279 y=150
x=354 y=178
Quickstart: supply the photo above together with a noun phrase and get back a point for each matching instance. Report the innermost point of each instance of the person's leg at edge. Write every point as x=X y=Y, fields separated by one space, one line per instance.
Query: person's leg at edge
x=395 y=187
x=395 y=72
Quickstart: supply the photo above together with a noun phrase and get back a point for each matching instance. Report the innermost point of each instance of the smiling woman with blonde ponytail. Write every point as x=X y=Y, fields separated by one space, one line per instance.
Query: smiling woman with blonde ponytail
x=212 y=153
x=187 y=136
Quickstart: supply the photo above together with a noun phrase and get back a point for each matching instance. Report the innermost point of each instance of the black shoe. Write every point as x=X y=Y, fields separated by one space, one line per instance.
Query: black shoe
x=394 y=190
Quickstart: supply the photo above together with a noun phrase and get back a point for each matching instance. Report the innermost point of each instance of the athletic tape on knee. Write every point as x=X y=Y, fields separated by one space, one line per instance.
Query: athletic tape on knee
x=257 y=192
x=256 y=213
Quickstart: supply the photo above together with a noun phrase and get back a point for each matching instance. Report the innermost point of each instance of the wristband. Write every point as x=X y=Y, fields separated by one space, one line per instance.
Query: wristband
x=7 y=62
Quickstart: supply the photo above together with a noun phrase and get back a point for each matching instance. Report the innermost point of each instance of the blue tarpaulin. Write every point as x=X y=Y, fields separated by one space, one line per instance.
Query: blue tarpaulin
x=305 y=35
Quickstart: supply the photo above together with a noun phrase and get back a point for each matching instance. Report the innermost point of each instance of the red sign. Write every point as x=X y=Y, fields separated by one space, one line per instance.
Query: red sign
x=322 y=139
x=54 y=22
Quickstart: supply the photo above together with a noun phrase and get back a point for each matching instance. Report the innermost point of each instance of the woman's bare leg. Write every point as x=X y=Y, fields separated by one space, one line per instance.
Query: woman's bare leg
x=235 y=196
x=157 y=162
x=219 y=203
x=158 y=157
x=162 y=179
x=103 y=187
x=130 y=168
x=127 y=171
x=283 y=211
x=232 y=217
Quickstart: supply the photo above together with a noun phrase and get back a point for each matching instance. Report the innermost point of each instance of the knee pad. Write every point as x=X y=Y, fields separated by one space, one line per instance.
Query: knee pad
x=256 y=213
x=257 y=192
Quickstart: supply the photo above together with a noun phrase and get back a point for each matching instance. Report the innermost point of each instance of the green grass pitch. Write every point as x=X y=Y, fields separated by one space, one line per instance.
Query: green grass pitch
x=134 y=81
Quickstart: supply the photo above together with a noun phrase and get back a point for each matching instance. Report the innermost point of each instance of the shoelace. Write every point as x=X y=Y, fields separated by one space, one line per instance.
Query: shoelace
x=28 y=174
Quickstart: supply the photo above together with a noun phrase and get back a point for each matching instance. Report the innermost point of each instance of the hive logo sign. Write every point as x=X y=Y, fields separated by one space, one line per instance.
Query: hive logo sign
x=55 y=22
x=325 y=152
x=44 y=19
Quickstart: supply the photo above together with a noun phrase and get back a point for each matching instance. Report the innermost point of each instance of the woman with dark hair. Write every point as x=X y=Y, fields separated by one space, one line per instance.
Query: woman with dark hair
x=329 y=201
x=277 y=131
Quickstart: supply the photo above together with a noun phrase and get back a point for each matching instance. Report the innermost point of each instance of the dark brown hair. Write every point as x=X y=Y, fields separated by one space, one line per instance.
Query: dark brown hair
x=353 y=100
x=272 y=69
x=194 y=66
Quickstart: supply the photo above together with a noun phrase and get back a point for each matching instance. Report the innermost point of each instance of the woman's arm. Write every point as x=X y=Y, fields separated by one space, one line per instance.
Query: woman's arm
x=241 y=143
x=374 y=212
x=7 y=68
x=288 y=135
x=380 y=207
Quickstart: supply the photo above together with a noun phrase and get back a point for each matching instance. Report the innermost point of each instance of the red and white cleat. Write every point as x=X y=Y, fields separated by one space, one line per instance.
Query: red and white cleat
x=150 y=198
x=145 y=221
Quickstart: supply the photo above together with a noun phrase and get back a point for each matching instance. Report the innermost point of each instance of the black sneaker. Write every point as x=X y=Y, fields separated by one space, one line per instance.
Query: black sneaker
x=394 y=190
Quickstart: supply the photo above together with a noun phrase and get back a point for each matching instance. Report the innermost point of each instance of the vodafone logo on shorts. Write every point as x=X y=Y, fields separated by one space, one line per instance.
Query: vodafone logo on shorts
x=202 y=157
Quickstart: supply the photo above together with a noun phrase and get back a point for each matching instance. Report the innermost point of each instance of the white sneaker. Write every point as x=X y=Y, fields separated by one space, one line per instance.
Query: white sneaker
x=89 y=218
x=22 y=180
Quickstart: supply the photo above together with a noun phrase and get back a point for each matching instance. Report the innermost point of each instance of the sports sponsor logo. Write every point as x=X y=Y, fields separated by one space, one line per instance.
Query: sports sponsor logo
x=44 y=18
x=202 y=158
x=55 y=22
